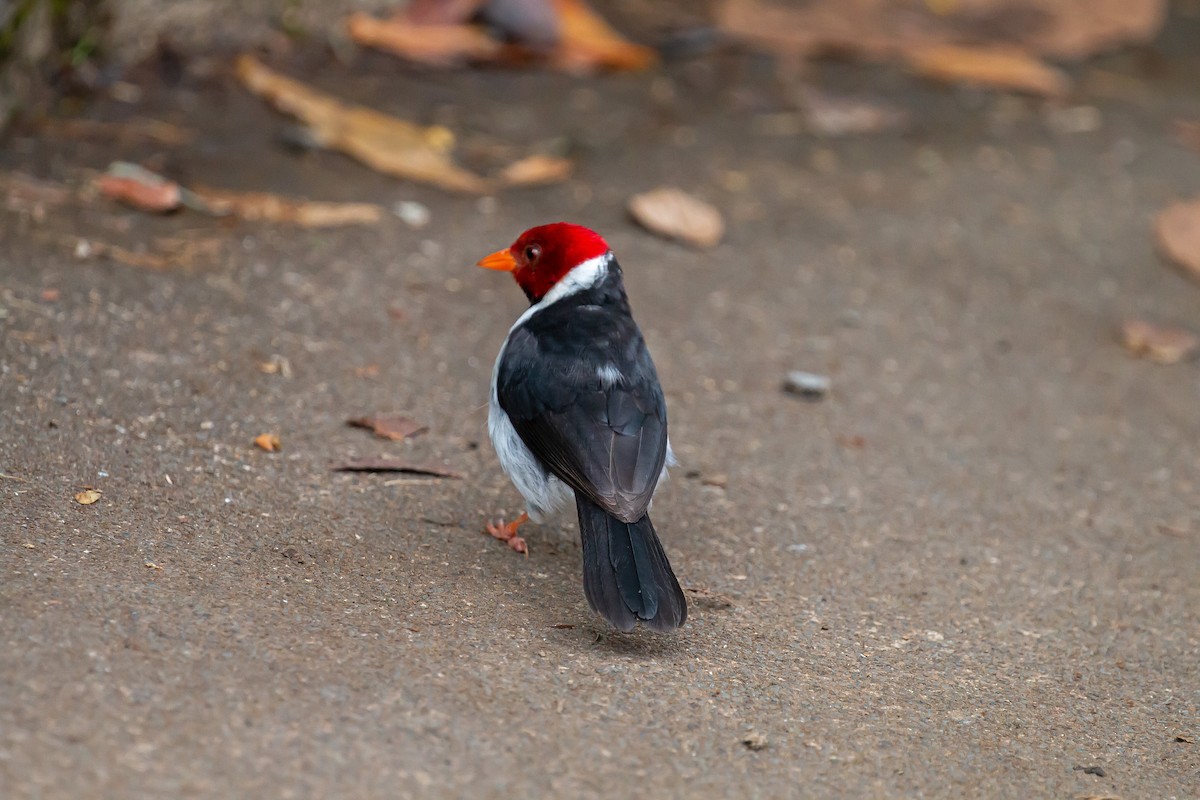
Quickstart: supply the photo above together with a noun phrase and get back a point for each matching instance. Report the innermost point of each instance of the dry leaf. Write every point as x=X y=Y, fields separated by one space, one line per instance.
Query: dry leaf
x=536 y=170
x=707 y=598
x=87 y=497
x=392 y=465
x=882 y=29
x=140 y=188
x=997 y=67
x=387 y=144
x=565 y=34
x=1187 y=133
x=1178 y=229
x=676 y=214
x=264 y=206
x=433 y=44
x=134 y=131
x=442 y=12
x=269 y=442
x=392 y=427
x=1159 y=344
x=23 y=192
x=587 y=42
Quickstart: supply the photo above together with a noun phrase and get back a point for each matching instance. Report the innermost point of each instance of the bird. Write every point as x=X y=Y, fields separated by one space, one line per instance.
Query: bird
x=576 y=408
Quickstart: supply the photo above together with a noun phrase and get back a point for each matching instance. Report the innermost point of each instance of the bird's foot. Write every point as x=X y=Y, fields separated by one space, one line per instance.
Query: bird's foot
x=507 y=532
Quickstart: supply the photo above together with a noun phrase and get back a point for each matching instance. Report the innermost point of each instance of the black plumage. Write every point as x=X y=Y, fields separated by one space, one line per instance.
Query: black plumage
x=581 y=391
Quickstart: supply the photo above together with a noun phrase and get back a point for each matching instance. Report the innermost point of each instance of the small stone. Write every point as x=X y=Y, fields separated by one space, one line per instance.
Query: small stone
x=755 y=741
x=807 y=385
x=413 y=214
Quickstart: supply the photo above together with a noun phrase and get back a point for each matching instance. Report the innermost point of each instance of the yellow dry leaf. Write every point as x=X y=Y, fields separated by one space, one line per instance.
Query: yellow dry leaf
x=1178 y=229
x=268 y=441
x=433 y=44
x=387 y=144
x=536 y=170
x=587 y=42
x=87 y=497
x=273 y=208
x=1159 y=344
x=997 y=67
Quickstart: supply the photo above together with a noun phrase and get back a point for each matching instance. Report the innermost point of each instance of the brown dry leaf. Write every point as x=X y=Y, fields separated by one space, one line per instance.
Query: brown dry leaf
x=1159 y=344
x=140 y=188
x=1075 y=29
x=23 y=192
x=384 y=464
x=442 y=12
x=264 y=206
x=1178 y=229
x=436 y=44
x=887 y=29
x=394 y=427
x=387 y=144
x=536 y=170
x=269 y=442
x=137 y=130
x=707 y=598
x=999 y=67
x=87 y=497
x=587 y=42
x=167 y=252
x=1187 y=133
x=584 y=41
x=676 y=214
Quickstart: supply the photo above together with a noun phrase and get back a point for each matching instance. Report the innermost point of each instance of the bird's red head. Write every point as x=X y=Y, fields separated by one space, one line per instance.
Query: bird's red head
x=542 y=256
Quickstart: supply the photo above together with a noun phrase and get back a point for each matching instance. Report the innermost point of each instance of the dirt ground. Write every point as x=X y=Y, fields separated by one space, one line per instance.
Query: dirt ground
x=971 y=571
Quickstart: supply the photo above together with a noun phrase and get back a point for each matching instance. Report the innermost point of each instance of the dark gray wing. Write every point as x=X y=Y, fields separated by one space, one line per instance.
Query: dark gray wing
x=608 y=442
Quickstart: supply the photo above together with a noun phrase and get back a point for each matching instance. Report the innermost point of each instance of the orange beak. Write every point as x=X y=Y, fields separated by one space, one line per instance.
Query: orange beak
x=501 y=260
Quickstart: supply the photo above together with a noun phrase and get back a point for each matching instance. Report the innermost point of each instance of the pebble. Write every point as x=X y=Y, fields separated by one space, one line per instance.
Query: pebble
x=412 y=213
x=808 y=385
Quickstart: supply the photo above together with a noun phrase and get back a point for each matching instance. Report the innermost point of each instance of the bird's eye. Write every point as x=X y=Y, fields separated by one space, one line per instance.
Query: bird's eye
x=532 y=253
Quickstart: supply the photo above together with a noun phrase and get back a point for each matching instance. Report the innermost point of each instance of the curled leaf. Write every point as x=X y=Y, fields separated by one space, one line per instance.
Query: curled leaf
x=997 y=67
x=1178 y=229
x=1157 y=343
x=387 y=144
x=269 y=442
x=273 y=208
x=676 y=214
x=140 y=188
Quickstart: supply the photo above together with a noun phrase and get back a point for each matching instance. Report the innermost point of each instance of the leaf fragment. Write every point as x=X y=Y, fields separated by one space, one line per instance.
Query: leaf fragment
x=675 y=214
x=996 y=67
x=389 y=426
x=1160 y=344
x=139 y=188
x=269 y=442
x=384 y=143
x=268 y=207
x=1178 y=230
x=384 y=464
x=87 y=497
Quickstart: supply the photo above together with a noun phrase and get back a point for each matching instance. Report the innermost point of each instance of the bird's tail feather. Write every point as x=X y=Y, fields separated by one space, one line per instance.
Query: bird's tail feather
x=626 y=575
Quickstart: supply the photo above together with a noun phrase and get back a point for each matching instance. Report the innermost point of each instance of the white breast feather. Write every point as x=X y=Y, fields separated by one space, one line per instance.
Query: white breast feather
x=544 y=493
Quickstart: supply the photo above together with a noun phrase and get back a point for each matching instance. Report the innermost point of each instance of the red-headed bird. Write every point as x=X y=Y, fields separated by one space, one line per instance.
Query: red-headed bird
x=576 y=408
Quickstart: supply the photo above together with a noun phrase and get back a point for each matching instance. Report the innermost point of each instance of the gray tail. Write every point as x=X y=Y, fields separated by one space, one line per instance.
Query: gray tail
x=626 y=576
